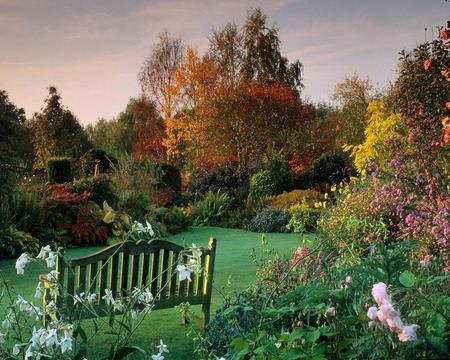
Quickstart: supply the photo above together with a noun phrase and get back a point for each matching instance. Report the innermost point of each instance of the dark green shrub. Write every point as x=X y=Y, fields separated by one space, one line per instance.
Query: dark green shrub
x=171 y=178
x=263 y=183
x=91 y=158
x=99 y=188
x=173 y=219
x=227 y=178
x=135 y=203
x=232 y=318
x=21 y=209
x=14 y=242
x=212 y=209
x=59 y=170
x=270 y=220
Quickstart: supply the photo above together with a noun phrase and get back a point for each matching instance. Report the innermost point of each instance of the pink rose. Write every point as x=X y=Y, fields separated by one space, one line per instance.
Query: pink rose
x=408 y=333
x=380 y=295
x=372 y=313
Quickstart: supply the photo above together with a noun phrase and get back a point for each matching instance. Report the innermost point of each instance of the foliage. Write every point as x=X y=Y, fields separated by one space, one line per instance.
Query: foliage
x=170 y=181
x=174 y=220
x=59 y=170
x=288 y=199
x=95 y=157
x=57 y=132
x=135 y=203
x=226 y=177
x=353 y=95
x=99 y=188
x=14 y=242
x=270 y=220
x=212 y=209
x=303 y=218
x=263 y=183
x=78 y=218
x=329 y=168
x=382 y=126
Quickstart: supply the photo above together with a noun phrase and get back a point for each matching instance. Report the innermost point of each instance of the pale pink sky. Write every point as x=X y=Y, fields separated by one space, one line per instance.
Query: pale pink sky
x=92 y=50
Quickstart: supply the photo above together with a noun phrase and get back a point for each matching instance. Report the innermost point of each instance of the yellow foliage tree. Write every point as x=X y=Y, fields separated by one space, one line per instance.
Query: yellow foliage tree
x=382 y=126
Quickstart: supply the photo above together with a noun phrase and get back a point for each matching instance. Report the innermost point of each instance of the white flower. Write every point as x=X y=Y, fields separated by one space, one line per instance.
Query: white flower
x=184 y=272
x=51 y=259
x=66 y=342
x=91 y=298
x=36 y=336
x=278 y=345
x=51 y=338
x=78 y=299
x=51 y=307
x=134 y=314
x=16 y=349
x=43 y=252
x=108 y=297
x=117 y=305
x=54 y=291
x=39 y=289
x=21 y=262
x=2 y=338
x=162 y=348
x=7 y=322
x=149 y=228
x=28 y=353
x=408 y=333
x=22 y=303
x=372 y=313
x=196 y=252
x=158 y=356
x=52 y=275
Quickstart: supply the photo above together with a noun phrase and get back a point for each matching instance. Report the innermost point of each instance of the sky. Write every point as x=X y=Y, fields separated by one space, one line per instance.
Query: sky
x=92 y=50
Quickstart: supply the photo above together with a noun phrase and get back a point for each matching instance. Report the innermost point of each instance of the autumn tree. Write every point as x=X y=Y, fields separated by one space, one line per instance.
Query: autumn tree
x=57 y=132
x=158 y=72
x=352 y=95
x=262 y=59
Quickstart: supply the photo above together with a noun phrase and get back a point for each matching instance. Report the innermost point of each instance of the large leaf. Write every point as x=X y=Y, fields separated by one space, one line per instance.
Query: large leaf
x=407 y=279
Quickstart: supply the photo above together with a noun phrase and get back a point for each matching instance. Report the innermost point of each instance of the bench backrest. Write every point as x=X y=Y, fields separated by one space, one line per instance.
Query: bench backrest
x=126 y=265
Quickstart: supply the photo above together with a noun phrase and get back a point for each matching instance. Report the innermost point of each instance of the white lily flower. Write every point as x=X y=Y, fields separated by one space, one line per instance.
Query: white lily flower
x=21 y=262
x=2 y=338
x=16 y=349
x=158 y=356
x=66 y=342
x=91 y=298
x=108 y=297
x=39 y=289
x=51 y=338
x=54 y=291
x=184 y=272
x=28 y=353
x=149 y=228
x=162 y=348
x=51 y=259
x=117 y=305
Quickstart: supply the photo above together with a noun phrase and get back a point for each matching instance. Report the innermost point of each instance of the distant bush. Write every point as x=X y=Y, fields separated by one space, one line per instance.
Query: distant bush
x=170 y=178
x=14 y=242
x=227 y=178
x=21 y=209
x=303 y=218
x=270 y=220
x=135 y=203
x=59 y=170
x=287 y=199
x=330 y=168
x=263 y=183
x=93 y=157
x=212 y=209
x=99 y=188
x=173 y=219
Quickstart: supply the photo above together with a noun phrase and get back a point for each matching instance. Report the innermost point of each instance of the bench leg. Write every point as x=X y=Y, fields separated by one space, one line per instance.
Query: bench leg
x=205 y=317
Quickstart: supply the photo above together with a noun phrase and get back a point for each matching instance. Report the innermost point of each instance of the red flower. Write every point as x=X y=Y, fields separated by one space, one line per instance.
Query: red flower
x=427 y=64
x=447 y=105
x=443 y=34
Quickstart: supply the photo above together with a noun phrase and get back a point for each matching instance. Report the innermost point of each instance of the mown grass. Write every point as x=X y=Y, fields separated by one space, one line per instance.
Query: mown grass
x=234 y=271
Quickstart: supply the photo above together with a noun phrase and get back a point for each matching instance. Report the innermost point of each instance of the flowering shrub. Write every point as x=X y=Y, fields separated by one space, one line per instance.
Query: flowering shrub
x=294 y=197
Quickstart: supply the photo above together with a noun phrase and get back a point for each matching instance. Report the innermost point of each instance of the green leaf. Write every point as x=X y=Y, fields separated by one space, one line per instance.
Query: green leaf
x=240 y=344
x=407 y=279
x=231 y=310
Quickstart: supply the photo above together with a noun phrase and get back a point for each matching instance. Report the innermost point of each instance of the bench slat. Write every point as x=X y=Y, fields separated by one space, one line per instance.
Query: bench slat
x=155 y=274
x=164 y=274
x=125 y=272
x=115 y=273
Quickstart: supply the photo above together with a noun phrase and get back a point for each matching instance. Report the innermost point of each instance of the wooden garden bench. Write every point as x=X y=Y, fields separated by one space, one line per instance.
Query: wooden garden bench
x=126 y=265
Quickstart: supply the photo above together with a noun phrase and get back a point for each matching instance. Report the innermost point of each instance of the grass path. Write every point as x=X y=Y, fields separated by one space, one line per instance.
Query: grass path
x=234 y=270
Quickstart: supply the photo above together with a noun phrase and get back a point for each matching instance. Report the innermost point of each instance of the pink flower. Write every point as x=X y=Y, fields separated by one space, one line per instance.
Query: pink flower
x=348 y=280
x=380 y=294
x=426 y=260
x=408 y=333
x=395 y=323
x=331 y=311
x=427 y=64
x=372 y=313
x=372 y=324
x=443 y=34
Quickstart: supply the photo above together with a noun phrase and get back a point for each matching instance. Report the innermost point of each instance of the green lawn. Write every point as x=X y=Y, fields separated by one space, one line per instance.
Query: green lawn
x=234 y=270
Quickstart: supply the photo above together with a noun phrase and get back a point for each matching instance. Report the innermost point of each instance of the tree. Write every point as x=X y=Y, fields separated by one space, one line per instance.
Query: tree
x=57 y=132
x=226 y=50
x=262 y=55
x=352 y=95
x=158 y=72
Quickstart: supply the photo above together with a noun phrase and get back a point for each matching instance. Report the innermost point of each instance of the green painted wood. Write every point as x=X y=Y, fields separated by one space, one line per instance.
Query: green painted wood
x=115 y=273
x=173 y=275
x=135 y=260
x=164 y=274
x=155 y=276
x=104 y=265
x=61 y=269
x=81 y=279
x=146 y=272
x=93 y=278
x=125 y=274
x=70 y=286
